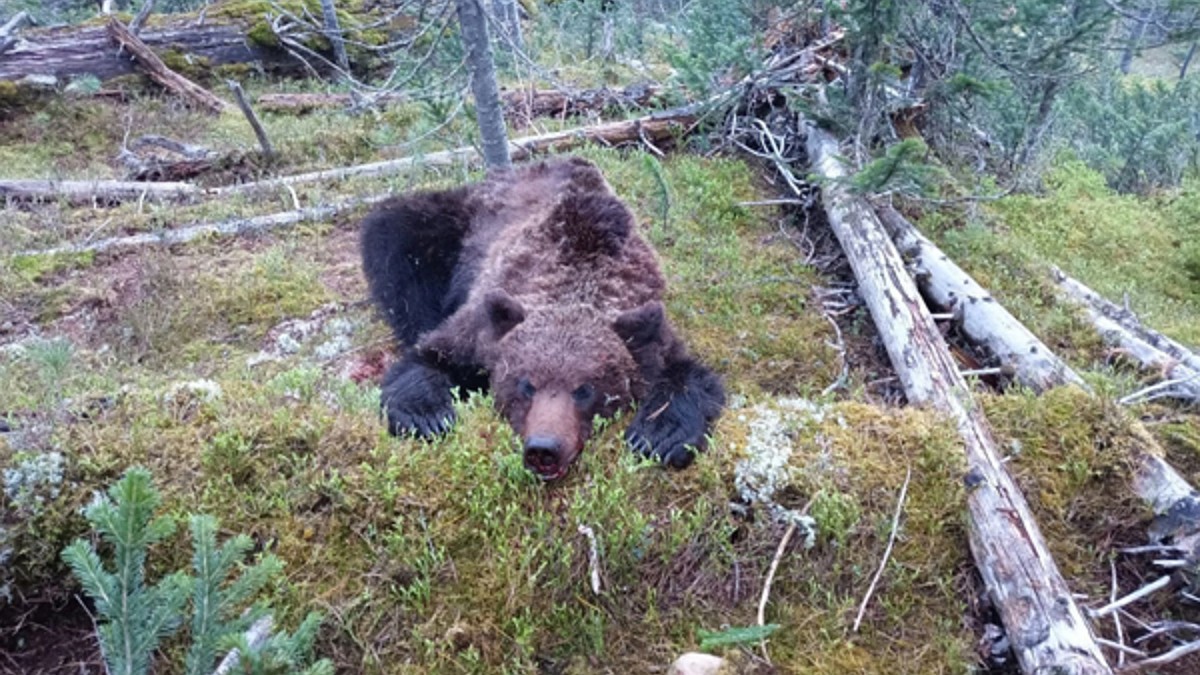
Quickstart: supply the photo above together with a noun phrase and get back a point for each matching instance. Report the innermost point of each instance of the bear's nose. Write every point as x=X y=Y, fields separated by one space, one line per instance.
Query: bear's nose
x=542 y=454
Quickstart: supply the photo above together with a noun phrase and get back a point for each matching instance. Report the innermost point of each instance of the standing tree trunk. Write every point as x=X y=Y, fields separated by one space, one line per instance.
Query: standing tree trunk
x=1137 y=29
x=333 y=33
x=488 y=113
x=507 y=16
x=1187 y=61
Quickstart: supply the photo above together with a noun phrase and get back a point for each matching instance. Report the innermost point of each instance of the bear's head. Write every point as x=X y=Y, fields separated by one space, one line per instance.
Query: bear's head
x=554 y=370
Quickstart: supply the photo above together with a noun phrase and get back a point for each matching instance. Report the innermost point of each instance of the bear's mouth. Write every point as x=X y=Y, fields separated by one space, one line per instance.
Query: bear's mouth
x=559 y=472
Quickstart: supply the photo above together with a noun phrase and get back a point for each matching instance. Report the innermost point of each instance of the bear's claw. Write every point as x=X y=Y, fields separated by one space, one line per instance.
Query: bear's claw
x=667 y=438
x=404 y=423
x=417 y=400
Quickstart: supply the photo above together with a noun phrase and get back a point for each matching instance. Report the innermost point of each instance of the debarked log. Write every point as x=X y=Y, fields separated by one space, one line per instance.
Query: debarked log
x=1044 y=623
x=1175 y=503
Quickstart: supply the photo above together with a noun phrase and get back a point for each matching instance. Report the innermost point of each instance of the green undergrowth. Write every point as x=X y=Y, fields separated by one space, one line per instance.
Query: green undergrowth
x=448 y=556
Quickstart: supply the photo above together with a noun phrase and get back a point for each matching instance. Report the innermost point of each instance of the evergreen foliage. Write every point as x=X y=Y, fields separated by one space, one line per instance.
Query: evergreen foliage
x=901 y=169
x=135 y=616
x=213 y=607
x=719 y=44
x=1140 y=134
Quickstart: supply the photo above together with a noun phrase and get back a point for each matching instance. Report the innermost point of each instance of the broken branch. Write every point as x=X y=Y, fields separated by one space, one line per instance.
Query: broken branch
x=160 y=73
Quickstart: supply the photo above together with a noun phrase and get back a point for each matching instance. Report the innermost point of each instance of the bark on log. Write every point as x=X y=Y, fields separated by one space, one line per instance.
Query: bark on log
x=99 y=193
x=519 y=105
x=160 y=73
x=66 y=52
x=1175 y=503
x=654 y=128
x=1131 y=338
x=982 y=319
x=1128 y=321
x=237 y=226
x=1047 y=630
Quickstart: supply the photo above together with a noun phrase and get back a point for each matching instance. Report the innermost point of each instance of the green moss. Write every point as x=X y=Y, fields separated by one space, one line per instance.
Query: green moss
x=38 y=267
x=261 y=35
x=188 y=65
x=1072 y=458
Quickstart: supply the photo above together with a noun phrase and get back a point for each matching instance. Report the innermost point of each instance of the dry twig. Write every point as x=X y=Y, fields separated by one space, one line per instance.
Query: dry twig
x=887 y=552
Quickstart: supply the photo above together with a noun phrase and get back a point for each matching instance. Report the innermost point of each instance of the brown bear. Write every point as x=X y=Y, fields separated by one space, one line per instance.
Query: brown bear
x=534 y=282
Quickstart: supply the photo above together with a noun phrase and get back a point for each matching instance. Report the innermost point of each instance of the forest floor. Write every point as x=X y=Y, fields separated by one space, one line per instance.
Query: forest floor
x=242 y=372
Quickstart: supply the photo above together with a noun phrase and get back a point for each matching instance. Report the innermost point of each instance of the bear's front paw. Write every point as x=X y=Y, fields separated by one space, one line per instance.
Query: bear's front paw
x=673 y=422
x=423 y=422
x=417 y=401
x=669 y=432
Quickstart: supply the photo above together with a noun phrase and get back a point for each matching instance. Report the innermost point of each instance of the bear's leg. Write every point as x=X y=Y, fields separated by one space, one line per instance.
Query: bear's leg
x=417 y=395
x=411 y=250
x=675 y=417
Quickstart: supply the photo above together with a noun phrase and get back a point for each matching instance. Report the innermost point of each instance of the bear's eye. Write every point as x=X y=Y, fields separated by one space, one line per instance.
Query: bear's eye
x=525 y=388
x=583 y=395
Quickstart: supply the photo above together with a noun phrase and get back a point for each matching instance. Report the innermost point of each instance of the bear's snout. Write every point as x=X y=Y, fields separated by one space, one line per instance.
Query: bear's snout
x=551 y=432
x=542 y=454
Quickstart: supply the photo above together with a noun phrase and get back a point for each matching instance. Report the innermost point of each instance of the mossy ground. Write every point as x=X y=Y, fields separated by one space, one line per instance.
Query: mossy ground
x=448 y=556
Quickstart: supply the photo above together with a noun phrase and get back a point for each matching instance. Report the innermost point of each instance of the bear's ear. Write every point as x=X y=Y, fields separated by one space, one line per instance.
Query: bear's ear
x=503 y=312
x=641 y=326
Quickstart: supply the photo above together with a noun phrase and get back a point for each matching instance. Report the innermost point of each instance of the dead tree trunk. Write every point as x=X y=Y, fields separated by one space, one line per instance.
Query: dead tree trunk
x=99 y=193
x=488 y=113
x=333 y=33
x=1173 y=500
x=160 y=73
x=653 y=128
x=1153 y=350
x=66 y=52
x=982 y=319
x=1047 y=629
x=1126 y=320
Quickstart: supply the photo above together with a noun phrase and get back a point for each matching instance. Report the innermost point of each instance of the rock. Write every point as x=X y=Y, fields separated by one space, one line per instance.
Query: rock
x=695 y=663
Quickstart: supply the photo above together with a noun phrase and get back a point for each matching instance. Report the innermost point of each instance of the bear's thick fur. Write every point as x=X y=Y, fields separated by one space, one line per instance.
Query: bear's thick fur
x=534 y=282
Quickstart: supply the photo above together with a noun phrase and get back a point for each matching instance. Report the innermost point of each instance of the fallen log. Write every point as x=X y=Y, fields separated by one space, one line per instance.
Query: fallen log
x=234 y=227
x=160 y=73
x=1175 y=367
x=1127 y=320
x=983 y=320
x=524 y=104
x=652 y=128
x=94 y=193
x=1175 y=503
x=67 y=52
x=1045 y=625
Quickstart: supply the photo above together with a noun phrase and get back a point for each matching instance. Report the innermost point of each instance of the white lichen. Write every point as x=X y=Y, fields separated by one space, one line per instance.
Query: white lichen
x=766 y=468
x=203 y=390
x=35 y=478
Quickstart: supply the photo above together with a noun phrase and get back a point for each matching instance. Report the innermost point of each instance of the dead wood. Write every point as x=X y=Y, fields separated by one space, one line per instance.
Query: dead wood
x=1122 y=330
x=66 y=52
x=1047 y=629
x=234 y=227
x=982 y=320
x=94 y=193
x=8 y=32
x=519 y=106
x=653 y=128
x=1127 y=320
x=259 y=132
x=160 y=73
x=139 y=21
x=1175 y=503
